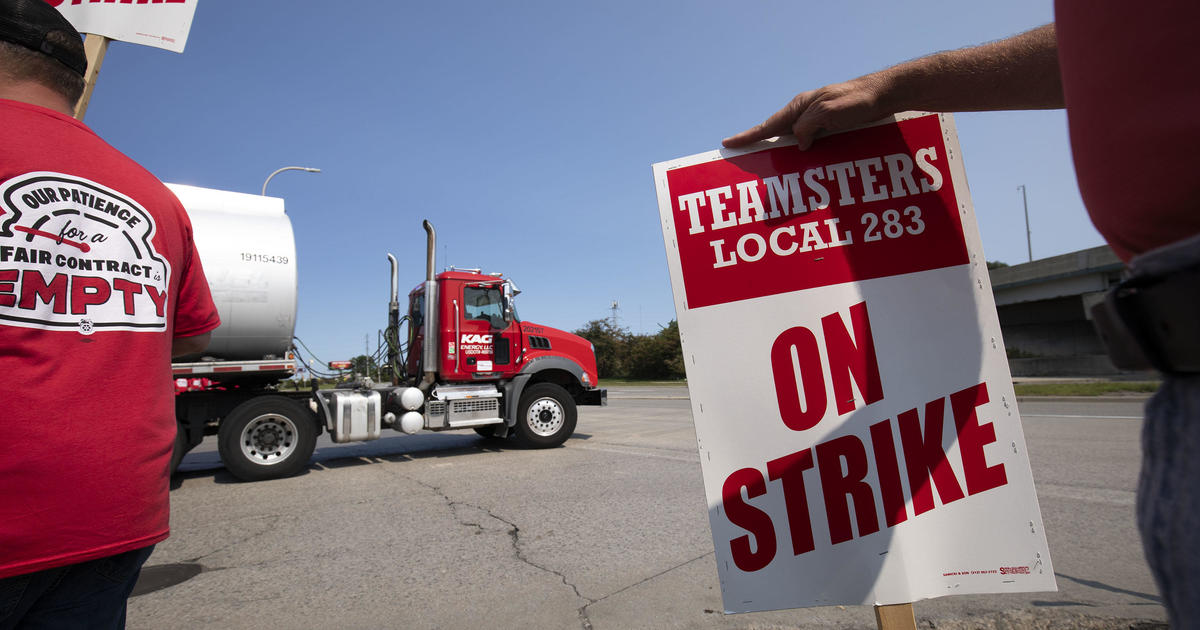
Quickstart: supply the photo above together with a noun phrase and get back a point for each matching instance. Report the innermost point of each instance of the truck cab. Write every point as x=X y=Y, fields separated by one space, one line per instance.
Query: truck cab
x=536 y=374
x=484 y=339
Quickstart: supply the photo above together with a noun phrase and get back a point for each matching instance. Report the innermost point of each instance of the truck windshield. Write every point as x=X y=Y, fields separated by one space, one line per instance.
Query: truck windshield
x=484 y=303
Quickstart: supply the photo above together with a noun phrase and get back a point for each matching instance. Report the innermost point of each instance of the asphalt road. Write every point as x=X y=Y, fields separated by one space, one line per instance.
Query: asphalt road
x=608 y=532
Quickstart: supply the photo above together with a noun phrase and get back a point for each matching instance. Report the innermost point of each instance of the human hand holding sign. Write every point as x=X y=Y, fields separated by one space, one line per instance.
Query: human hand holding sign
x=1020 y=72
x=833 y=108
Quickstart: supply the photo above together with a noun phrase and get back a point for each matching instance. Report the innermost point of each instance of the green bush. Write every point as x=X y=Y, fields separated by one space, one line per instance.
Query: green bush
x=621 y=354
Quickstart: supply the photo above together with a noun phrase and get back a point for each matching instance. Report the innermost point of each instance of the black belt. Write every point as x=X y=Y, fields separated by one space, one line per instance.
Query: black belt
x=1152 y=318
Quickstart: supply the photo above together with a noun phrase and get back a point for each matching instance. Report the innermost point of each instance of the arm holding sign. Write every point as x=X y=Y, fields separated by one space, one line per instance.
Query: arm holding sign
x=1020 y=72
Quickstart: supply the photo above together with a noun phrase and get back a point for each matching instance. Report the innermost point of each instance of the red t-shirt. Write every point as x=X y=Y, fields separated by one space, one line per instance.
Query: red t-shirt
x=98 y=273
x=1133 y=105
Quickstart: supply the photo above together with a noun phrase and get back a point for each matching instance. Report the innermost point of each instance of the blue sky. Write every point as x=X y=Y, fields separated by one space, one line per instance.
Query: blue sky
x=526 y=132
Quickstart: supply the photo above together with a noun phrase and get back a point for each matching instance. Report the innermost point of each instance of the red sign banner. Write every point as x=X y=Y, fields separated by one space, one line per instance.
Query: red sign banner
x=875 y=204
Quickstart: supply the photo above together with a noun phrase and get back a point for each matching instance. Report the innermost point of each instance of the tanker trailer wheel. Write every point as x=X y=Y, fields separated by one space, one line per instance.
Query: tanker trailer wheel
x=545 y=416
x=267 y=437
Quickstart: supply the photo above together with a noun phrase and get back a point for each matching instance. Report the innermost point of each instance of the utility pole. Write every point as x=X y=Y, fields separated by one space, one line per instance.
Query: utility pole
x=1028 y=234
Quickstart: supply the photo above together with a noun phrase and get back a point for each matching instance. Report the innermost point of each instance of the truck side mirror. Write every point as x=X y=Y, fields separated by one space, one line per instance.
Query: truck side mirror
x=509 y=291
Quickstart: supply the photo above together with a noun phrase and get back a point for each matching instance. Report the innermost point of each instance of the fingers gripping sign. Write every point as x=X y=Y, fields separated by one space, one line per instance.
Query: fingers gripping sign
x=833 y=108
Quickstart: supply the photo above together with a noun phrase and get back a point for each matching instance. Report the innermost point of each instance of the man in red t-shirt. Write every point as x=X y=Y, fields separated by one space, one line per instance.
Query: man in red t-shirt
x=100 y=286
x=1125 y=74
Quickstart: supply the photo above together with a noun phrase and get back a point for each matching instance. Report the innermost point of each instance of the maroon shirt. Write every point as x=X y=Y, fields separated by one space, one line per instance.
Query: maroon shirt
x=1131 y=78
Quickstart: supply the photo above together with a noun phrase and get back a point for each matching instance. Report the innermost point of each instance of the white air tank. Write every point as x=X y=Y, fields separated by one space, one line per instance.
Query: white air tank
x=249 y=256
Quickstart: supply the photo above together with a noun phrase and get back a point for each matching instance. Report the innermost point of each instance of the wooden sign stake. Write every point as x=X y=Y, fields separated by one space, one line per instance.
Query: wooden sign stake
x=94 y=46
x=895 y=617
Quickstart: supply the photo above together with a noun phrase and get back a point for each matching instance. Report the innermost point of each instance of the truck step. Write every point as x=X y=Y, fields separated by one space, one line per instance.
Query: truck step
x=478 y=422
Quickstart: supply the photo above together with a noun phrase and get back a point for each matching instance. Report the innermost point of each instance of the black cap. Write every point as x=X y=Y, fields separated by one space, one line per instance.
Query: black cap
x=27 y=22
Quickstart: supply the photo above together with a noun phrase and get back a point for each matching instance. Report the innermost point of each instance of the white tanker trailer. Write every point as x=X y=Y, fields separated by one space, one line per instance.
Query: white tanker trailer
x=249 y=255
x=248 y=251
x=472 y=363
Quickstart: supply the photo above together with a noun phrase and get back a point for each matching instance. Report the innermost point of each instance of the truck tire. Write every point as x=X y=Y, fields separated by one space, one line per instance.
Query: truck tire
x=545 y=416
x=267 y=437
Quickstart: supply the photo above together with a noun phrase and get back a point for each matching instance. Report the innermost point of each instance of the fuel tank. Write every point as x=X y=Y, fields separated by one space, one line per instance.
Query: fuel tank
x=249 y=256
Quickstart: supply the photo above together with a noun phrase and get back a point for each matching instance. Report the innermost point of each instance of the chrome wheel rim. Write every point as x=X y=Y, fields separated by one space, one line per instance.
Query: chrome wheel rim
x=269 y=439
x=545 y=417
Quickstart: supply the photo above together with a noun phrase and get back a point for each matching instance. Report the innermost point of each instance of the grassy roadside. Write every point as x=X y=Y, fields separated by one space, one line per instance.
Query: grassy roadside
x=1066 y=388
x=624 y=382
x=1099 y=388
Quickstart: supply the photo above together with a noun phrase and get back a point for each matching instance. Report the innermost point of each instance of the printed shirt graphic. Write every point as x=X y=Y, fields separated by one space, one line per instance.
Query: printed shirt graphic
x=77 y=255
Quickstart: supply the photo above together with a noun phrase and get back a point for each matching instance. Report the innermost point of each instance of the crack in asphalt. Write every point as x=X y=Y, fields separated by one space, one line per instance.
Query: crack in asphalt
x=271 y=519
x=514 y=534
x=655 y=576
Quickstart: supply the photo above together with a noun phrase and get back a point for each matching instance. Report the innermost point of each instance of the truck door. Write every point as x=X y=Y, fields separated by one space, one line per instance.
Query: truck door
x=486 y=342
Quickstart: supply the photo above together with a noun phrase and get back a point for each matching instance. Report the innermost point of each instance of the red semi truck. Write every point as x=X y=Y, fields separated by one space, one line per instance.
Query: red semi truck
x=467 y=362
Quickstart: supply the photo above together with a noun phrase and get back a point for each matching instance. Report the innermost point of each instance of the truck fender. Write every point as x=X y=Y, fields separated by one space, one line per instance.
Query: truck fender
x=514 y=388
x=512 y=396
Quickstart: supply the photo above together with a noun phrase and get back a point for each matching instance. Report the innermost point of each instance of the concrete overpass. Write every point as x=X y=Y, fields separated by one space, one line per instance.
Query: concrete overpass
x=1044 y=312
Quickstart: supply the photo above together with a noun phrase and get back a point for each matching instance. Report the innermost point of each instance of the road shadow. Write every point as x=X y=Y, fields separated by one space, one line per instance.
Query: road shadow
x=1111 y=589
x=330 y=456
x=157 y=577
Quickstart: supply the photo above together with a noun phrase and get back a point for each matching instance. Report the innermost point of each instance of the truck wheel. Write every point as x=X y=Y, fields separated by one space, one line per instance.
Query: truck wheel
x=267 y=437
x=545 y=416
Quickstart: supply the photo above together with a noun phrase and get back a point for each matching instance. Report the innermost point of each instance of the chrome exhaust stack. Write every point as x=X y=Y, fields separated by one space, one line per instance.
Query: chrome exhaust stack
x=429 y=351
x=393 y=338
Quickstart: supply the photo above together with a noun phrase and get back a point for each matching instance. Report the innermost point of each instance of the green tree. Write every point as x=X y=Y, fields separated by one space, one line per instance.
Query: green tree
x=657 y=356
x=674 y=357
x=611 y=344
x=363 y=365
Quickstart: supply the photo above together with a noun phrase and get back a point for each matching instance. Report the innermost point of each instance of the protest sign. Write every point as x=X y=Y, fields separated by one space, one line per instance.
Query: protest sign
x=157 y=23
x=855 y=416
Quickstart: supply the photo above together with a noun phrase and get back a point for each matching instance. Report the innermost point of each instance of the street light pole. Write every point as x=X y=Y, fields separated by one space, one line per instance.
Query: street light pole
x=1028 y=234
x=306 y=169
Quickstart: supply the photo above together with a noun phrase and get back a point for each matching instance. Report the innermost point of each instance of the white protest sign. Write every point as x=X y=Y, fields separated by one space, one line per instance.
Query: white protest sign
x=855 y=415
x=157 y=23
